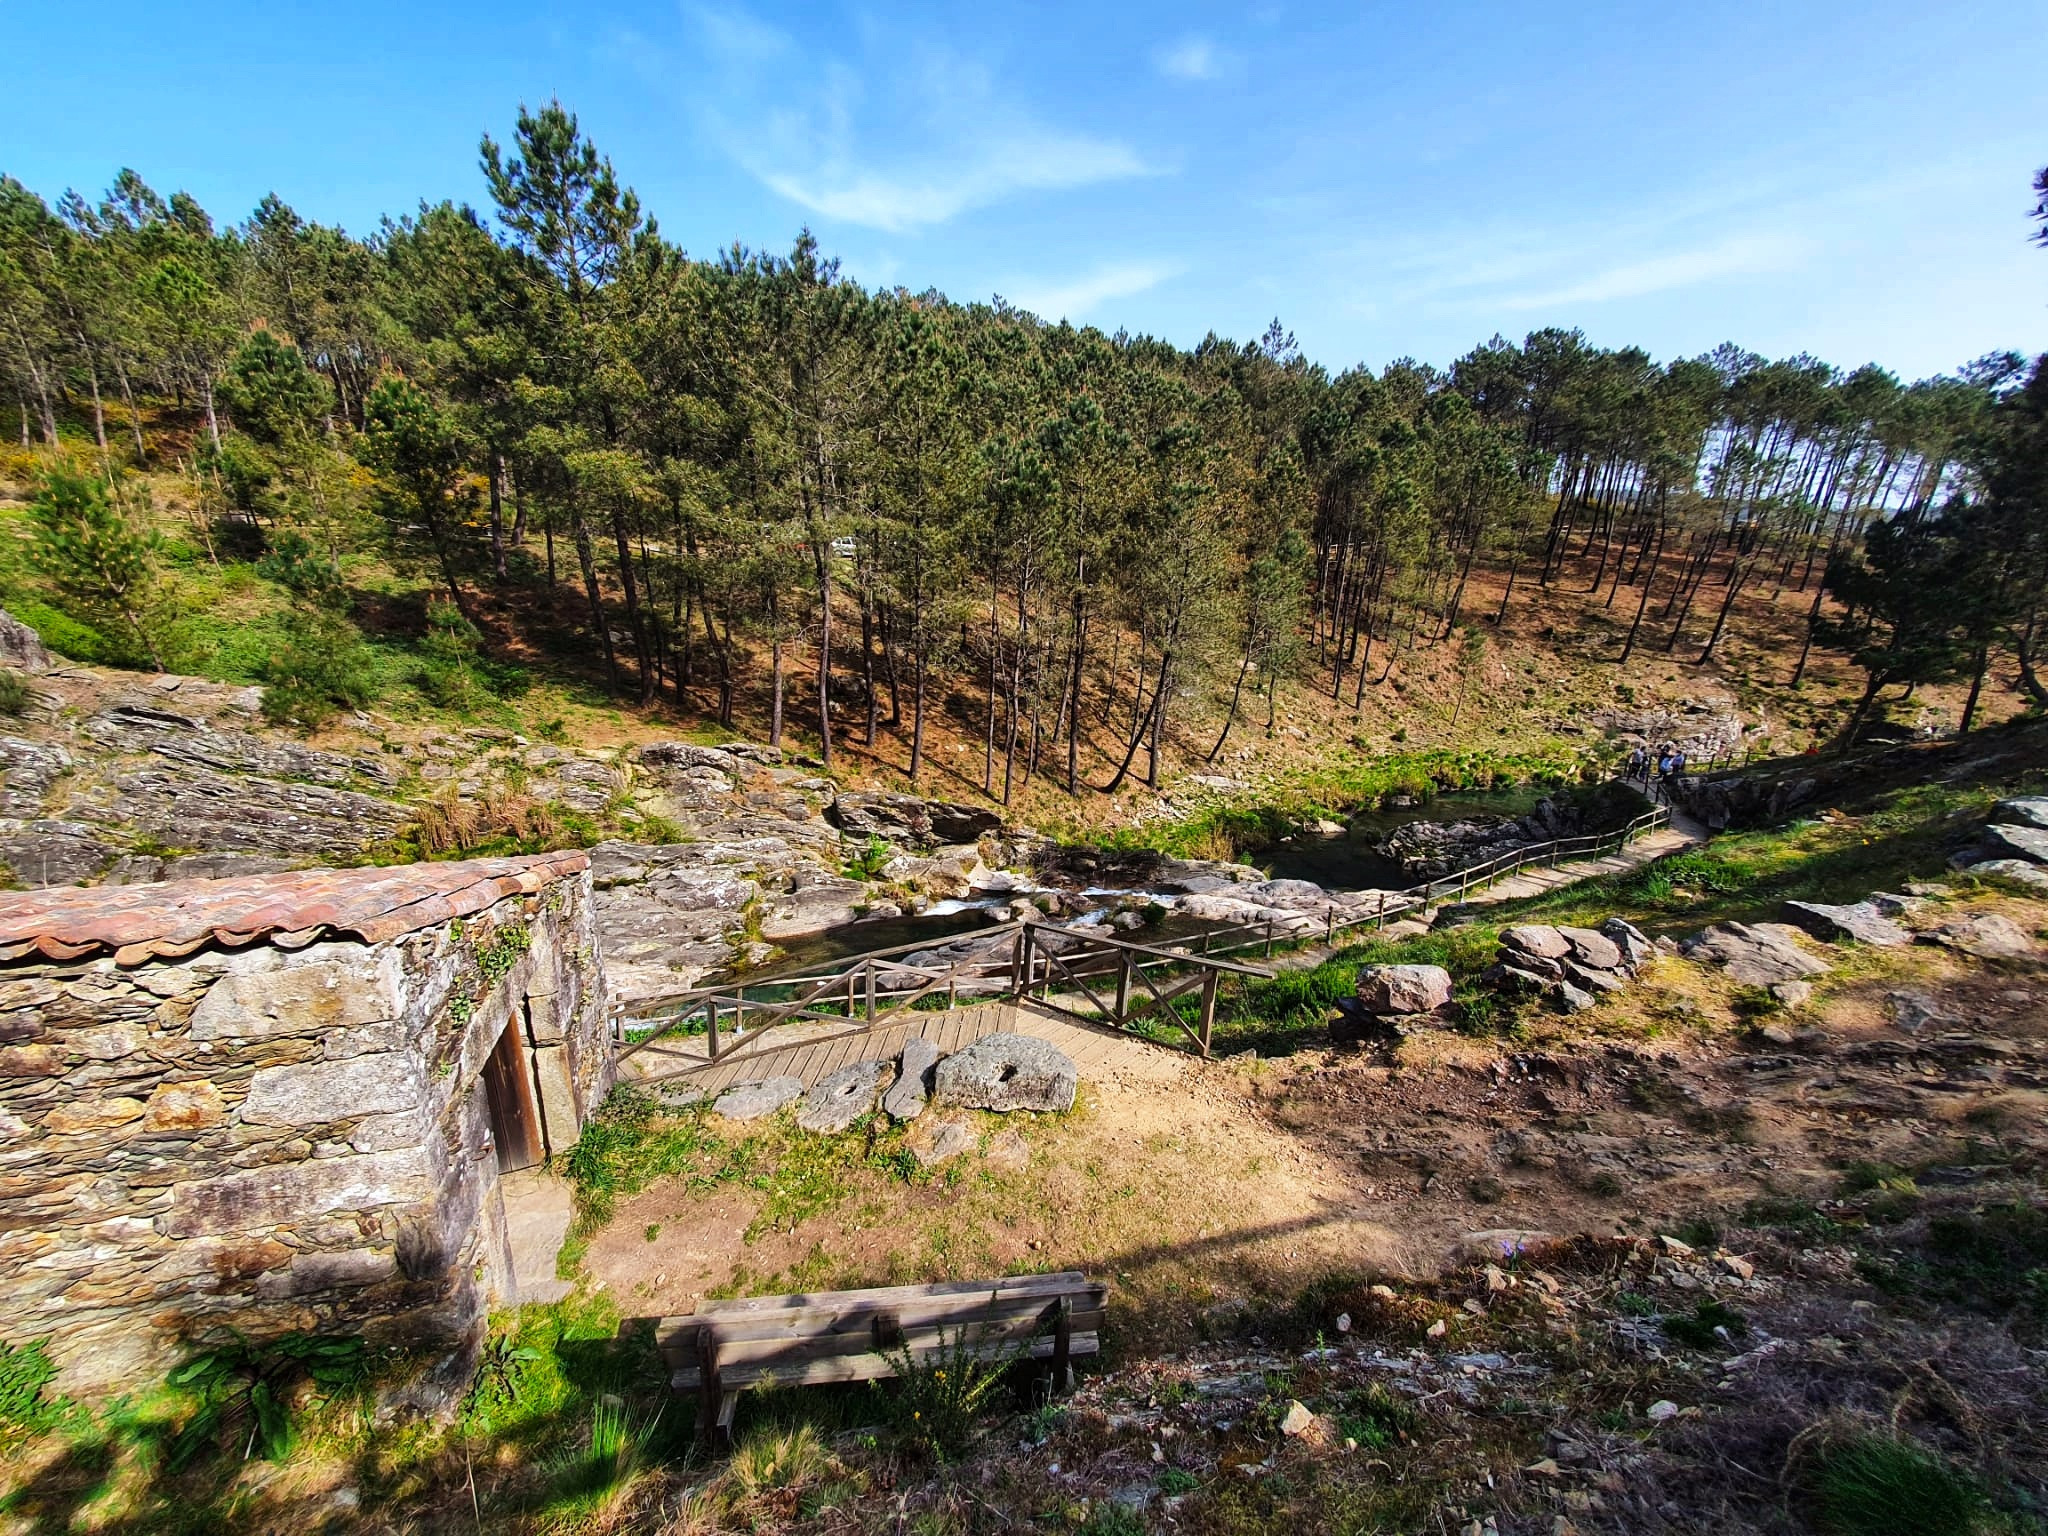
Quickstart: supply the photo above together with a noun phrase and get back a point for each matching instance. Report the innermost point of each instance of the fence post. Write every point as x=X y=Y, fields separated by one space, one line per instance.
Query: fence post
x=871 y=991
x=1123 y=987
x=1208 y=1007
x=1269 y=938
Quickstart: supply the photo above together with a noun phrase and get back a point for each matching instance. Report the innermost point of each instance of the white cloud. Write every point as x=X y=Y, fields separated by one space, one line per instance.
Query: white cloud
x=931 y=190
x=1191 y=58
x=1074 y=298
x=905 y=138
x=1736 y=256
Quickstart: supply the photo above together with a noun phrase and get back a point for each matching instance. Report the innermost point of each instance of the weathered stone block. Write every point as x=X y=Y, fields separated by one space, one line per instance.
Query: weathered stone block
x=320 y=1092
x=1005 y=1072
x=328 y=1272
x=267 y=993
x=257 y=1198
x=78 y=1115
x=840 y=1098
x=1403 y=988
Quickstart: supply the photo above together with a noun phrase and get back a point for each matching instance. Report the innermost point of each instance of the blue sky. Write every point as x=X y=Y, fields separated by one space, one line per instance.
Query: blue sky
x=1850 y=180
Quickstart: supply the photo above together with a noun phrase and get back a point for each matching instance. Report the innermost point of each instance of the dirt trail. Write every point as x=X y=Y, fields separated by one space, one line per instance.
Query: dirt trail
x=1241 y=1182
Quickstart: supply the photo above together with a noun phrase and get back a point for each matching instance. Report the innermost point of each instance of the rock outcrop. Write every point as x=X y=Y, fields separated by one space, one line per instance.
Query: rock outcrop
x=1859 y=921
x=1005 y=1072
x=1754 y=954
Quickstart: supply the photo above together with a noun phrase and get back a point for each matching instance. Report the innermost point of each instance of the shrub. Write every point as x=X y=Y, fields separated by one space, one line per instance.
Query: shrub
x=245 y=1390
x=320 y=669
x=599 y=1472
x=15 y=693
x=1874 y=1485
x=935 y=1401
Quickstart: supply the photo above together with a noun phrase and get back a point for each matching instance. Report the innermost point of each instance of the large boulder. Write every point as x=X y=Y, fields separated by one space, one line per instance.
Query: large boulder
x=840 y=1098
x=2013 y=869
x=21 y=647
x=2016 y=841
x=687 y=754
x=1403 y=989
x=1754 y=954
x=2027 y=811
x=1594 y=949
x=908 y=821
x=1860 y=921
x=1005 y=1072
x=1635 y=946
x=1538 y=939
x=1986 y=935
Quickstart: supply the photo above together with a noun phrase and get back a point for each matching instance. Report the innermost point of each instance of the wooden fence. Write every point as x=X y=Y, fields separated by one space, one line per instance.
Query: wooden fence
x=1124 y=979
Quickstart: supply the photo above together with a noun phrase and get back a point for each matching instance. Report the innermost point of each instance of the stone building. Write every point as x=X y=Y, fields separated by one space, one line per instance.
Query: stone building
x=283 y=1102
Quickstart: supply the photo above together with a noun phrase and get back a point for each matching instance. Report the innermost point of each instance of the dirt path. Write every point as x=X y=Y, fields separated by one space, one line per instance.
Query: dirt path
x=1234 y=1185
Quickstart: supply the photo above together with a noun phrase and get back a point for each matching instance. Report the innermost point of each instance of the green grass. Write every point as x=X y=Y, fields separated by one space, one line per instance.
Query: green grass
x=1907 y=834
x=1875 y=1485
x=1346 y=781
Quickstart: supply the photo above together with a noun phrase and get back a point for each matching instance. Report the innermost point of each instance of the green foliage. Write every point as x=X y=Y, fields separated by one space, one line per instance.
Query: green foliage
x=272 y=394
x=16 y=693
x=1878 y=1485
x=98 y=552
x=868 y=862
x=583 y=1477
x=1375 y=1417
x=25 y=1370
x=320 y=669
x=453 y=672
x=936 y=1399
x=242 y=1391
x=632 y=1140
x=294 y=563
x=1993 y=1261
x=1703 y=1327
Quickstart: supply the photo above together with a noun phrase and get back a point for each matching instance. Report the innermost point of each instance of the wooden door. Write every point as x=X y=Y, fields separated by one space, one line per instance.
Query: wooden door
x=508 y=1089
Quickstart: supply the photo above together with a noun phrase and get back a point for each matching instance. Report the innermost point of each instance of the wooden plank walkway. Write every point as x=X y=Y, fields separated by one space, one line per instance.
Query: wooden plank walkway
x=1681 y=834
x=796 y=1050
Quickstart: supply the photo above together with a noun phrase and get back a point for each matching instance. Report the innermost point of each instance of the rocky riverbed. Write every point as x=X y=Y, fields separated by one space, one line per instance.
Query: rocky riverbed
x=707 y=857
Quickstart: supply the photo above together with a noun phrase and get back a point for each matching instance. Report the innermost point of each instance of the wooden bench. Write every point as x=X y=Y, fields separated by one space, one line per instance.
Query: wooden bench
x=725 y=1347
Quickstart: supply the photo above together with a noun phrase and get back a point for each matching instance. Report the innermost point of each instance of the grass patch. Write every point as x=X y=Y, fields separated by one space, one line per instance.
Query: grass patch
x=1875 y=1485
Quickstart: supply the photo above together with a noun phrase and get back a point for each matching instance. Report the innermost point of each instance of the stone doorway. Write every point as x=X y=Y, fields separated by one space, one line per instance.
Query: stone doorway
x=508 y=1090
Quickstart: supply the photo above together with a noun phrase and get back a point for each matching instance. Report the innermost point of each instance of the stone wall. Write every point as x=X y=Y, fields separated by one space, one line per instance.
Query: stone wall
x=276 y=1140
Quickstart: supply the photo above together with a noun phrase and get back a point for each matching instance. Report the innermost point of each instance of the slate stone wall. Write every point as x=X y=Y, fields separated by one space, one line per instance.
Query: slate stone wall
x=273 y=1140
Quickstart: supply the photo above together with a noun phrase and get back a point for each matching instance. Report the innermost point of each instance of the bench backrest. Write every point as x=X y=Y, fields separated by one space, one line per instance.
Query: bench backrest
x=856 y=1335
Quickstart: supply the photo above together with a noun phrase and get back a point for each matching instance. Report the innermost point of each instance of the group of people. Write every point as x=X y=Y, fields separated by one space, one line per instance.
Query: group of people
x=1668 y=763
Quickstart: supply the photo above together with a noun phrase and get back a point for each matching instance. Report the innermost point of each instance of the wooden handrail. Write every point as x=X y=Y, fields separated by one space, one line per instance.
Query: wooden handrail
x=1022 y=962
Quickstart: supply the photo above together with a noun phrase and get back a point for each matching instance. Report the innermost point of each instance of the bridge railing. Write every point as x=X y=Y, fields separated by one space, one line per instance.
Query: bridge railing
x=1124 y=979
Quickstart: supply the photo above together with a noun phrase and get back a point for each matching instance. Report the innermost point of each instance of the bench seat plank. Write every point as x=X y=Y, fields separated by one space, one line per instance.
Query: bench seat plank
x=863 y=1367
x=944 y=1333
x=857 y=1319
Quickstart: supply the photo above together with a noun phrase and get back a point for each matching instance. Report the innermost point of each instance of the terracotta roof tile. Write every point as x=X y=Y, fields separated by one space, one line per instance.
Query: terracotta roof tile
x=172 y=918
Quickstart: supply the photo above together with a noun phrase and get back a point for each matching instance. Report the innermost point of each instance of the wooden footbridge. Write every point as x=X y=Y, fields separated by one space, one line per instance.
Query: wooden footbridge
x=1088 y=991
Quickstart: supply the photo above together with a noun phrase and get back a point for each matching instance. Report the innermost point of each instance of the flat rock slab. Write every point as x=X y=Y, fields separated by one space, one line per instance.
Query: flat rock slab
x=2028 y=811
x=842 y=1097
x=949 y=1140
x=1402 y=989
x=2013 y=869
x=1634 y=944
x=1537 y=939
x=1984 y=934
x=1860 y=921
x=908 y=1096
x=1755 y=954
x=2018 y=842
x=750 y=1101
x=1594 y=949
x=1005 y=1072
